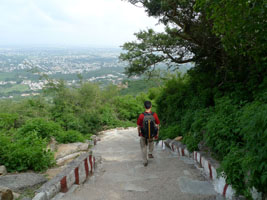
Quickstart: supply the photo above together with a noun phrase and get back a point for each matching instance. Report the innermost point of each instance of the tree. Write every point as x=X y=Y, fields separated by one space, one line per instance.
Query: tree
x=225 y=39
x=240 y=24
x=187 y=38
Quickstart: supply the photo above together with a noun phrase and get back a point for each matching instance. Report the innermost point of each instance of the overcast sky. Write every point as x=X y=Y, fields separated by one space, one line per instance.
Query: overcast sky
x=104 y=23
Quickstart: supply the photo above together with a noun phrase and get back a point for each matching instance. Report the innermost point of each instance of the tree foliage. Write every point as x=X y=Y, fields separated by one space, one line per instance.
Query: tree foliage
x=68 y=114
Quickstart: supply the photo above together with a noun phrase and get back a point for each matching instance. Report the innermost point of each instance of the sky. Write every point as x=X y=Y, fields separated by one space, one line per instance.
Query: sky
x=103 y=23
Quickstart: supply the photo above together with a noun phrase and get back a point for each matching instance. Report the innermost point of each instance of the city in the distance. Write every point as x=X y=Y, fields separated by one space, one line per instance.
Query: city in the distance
x=22 y=69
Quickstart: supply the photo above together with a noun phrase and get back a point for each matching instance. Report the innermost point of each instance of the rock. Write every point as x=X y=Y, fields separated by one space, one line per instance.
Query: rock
x=68 y=158
x=3 y=170
x=93 y=137
x=179 y=138
x=16 y=195
x=52 y=144
x=21 y=182
x=6 y=193
x=66 y=149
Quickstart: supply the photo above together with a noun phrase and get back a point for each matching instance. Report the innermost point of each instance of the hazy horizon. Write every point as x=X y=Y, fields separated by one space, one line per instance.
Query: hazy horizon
x=70 y=23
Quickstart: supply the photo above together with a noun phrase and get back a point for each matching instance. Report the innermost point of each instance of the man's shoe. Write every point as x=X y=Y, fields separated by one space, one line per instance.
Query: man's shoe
x=145 y=164
x=150 y=156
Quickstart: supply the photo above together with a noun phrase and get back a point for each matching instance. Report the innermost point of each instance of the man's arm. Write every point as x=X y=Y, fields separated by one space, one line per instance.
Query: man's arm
x=139 y=124
x=157 y=125
x=139 y=130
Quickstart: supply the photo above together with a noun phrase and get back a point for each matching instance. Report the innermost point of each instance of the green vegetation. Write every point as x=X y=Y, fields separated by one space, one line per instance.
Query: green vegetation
x=68 y=114
x=220 y=104
x=134 y=87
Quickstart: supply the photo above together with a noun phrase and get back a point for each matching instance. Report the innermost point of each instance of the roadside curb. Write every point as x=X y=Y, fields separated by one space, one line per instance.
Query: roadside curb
x=208 y=164
x=76 y=172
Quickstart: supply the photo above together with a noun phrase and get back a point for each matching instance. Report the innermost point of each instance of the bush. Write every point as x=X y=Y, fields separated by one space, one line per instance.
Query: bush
x=8 y=121
x=44 y=128
x=246 y=166
x=25 y=153
x=192 y=140
x=253 y=123
x=222 y=128
x=70 y=137
x=128 y=108
x=197 y=129
x=231 y=169
x=170 y=131
x=108 y=116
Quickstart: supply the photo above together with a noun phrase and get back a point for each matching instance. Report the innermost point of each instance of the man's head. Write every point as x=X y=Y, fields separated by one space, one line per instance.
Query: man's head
x=148 y=104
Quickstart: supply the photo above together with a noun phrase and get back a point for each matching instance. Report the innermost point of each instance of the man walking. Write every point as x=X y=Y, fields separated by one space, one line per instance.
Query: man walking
x=148 y=128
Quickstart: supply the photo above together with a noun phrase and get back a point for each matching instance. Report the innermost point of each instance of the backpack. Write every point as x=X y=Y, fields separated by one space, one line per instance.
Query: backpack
x=149 y=129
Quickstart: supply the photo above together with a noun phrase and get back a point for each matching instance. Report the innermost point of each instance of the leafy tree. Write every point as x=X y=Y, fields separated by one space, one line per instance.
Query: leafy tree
x=226 y=40
x=241 y=26
x=187 y=38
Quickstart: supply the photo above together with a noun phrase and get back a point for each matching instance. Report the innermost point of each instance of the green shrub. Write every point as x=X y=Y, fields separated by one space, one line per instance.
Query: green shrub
x=44 y=128
x=128 y=108
x=108 y=116
x=222 y=128
x=68 y=121
x=8 y=121
x=186 y=121
x=25 y=153
x=192 y=140
x=197 y=129
x=170 y=131
x=70 y=136
x=233 y=171
x=253 y=123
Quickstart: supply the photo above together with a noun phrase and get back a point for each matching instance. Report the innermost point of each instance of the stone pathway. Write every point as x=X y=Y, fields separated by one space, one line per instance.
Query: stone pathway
x=122 y=176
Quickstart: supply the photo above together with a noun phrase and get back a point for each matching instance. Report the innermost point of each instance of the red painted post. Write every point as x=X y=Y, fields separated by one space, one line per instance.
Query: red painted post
x=76 y=172
x=91 y=164
x=86 y=167
x=225 y=189
x=182 y=152
x=63 y=184
x=210 y=171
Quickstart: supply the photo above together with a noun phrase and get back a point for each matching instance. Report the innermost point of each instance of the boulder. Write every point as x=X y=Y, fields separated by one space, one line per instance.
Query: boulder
x=3 y=170
x=6 y=193
x=16 y=195
x=64 y=150
x=52 y=144
x=179 y=138
x=93 y=137
x=22 y=181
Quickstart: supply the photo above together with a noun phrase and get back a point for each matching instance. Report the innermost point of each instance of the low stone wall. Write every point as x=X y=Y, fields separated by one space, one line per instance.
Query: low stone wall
x=76 y=172
x=209 y=166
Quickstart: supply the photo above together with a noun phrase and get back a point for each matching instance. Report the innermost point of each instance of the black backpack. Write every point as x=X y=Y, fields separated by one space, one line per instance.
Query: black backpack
x=149 y=129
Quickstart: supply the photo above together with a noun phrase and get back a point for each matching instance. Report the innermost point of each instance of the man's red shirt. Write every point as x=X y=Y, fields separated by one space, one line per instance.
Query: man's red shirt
x=141 y=118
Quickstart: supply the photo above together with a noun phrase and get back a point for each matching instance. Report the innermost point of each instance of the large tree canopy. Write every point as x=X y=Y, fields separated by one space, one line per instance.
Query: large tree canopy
x=225 y=39
x=188 y=37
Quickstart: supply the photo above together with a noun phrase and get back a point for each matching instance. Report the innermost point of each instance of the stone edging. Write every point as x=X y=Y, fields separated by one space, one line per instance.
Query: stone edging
x=76 y=172
x=209 y=167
